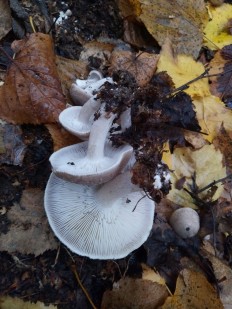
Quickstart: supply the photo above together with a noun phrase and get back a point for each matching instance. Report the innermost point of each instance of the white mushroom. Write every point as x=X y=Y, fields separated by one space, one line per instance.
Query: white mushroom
x=185 y=222
x=92 y=162
x=82 y=90
x=79 y=119
x=102 y=222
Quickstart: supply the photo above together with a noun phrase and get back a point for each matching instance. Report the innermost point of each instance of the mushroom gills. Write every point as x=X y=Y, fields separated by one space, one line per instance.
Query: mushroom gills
x=100 y=221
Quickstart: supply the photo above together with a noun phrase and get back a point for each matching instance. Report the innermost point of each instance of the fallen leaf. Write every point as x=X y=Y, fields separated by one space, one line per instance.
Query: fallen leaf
x=207 y=165
x=69 y=70
x=211 y=114
x=221 y=85
x=12 y=147
x=183 y=69
x=97 y=54
x=29 y=232
x=5 y=18
x=224 y=143
x=141 y=65
x=223 y=274
x=32 y=91
x=61 y=138
x=150 y=274
x=216 y=31
x=193 y=291
x=181 y=21
x=130 y=293
x=7 y=302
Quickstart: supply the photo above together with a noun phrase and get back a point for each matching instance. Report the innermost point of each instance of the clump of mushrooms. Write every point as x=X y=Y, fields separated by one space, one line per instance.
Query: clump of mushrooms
x=91 y=204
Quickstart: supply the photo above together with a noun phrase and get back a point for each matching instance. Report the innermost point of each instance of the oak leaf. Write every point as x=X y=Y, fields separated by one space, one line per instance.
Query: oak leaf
x=32 y=91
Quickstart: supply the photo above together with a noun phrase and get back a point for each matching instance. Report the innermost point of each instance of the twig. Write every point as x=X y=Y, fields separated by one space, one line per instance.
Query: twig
x=214 y=183
x=73 y=267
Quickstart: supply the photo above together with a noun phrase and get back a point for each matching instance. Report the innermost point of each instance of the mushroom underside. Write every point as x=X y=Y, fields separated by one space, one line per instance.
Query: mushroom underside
x=71 y=163
x=102 y=222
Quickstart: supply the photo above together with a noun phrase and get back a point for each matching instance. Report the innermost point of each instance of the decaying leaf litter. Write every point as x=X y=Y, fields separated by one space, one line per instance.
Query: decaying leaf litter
x=173 y=71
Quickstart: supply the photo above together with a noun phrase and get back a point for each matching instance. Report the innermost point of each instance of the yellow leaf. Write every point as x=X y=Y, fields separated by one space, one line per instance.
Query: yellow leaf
x=205 y=162
x=193 y=291
x=180 y=20
x=211 y=113
x=152 y=275
x=217 y=33
x=182 y=69
x=16 y=303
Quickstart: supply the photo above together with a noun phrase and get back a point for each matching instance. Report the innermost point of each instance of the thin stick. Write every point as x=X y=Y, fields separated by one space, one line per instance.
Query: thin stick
x=214 y=183
x=82 y=287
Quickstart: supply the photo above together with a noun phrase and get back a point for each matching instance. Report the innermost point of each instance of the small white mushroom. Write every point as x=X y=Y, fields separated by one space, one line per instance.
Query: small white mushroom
x=83 y=89
x=102 y=222
x=79 y=119
x=185 y=222
x=92 y=162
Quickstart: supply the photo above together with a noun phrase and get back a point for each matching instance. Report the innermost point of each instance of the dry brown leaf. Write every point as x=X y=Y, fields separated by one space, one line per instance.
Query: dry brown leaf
x=221 y=85
x=99 y=51
x=130 y=293
x=61 y=138
x=193 y=291
x=141 y=65
x=29 y=230
x=32 y=91
x=5 y=18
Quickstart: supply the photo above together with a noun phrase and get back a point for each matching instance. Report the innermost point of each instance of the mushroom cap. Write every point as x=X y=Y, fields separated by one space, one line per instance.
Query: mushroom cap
x=69 y=120
x=72 y=164
x=93 y=77
x=82 y=90
x=99 y=221
x=78 y=120
x=185 y=222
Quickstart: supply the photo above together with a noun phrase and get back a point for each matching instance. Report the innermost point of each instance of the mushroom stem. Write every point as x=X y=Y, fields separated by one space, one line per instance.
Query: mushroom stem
x=88 y=109
x=98 y=135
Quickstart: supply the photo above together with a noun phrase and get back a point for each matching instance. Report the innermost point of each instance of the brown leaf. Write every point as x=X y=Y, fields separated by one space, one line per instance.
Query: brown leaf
x=61 y=138
x=141 y=65
x=134 y=293
x=221 y=85
x=32 y=91
x=69 y=70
